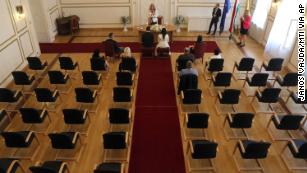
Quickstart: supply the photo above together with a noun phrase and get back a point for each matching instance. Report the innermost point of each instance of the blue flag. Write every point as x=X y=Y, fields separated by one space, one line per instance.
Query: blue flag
x=226 y=9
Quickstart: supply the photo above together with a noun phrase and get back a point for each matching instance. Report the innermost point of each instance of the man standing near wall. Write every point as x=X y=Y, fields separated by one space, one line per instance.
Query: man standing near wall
x=216 y=14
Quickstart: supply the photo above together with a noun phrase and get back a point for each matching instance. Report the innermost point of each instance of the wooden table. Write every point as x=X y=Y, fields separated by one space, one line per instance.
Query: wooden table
x=170 y=29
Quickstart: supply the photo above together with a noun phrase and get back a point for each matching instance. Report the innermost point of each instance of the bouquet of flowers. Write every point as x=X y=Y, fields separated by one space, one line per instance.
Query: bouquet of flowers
x=156 y=28
x=125 y=20
x=179 y=20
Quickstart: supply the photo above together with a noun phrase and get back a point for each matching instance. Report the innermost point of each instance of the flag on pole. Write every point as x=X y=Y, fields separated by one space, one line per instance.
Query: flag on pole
x=235 y=11
x=226 y=9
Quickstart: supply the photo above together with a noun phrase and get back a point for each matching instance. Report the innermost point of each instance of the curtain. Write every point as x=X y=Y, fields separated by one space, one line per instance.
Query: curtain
x=283 y=33
x=261 y=12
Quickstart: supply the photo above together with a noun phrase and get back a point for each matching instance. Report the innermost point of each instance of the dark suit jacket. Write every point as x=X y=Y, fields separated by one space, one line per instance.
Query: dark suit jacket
x=217 y=14
x=183 y=59
x=147 y=39
x=114 y=43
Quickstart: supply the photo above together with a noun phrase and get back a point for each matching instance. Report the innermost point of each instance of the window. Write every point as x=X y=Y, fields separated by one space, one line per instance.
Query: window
x=261 y=12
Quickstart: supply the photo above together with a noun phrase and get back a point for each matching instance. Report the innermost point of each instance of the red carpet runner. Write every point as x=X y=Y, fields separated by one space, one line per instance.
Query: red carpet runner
x=176 y=46
x=156 y=141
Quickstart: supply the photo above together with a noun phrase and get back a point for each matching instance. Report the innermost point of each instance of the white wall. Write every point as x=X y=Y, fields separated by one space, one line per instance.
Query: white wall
x=17 y=39
x=107 y=13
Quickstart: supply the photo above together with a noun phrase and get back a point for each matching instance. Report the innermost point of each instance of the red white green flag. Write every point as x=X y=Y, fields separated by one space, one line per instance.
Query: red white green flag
x=235 y=12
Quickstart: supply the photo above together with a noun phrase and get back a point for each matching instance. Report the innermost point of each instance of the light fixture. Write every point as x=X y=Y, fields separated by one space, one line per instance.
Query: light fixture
x=20 y=12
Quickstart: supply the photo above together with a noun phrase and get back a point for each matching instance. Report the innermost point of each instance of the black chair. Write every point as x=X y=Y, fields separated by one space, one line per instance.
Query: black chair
x=163 y=51
x=246 y=64
x=122 y=94
x=298 y=149
x=148 y=51
x=99 y=65
x=215 y=65
x=128 y=64
x=9 y=165
x=3 y=114
x=286 y=123
x=268 y=96
x=77 y=117
x=200 y=150
x=221 y=79
x=66 y=141
x=257 y=80
x=274 y=64
x=125 y=79
x=67 y=64
x=188 y=81
x=240 y=121
x=289 y=80
x=250 y=149
x=23 y=79
x=86 y=96
x=10 y=97
x=46 y=96
x=228 y=97
x=196 y=122
x=21 y=140
x=34 y=117
x=181 y=64
x=36 y=64
x=119 y=117
x=115 y=141
x=297 y=100
x=57 y=78
x=51 y=167
x=109 y=167
x=91 y=78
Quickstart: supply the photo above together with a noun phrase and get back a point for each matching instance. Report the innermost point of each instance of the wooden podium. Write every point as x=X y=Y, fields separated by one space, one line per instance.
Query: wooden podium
x=67 y=25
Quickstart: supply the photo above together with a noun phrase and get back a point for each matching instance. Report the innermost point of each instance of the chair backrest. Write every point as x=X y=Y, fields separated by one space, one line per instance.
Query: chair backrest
x=30 y=115
x=15 y=139
x=242 y=120
x=39 y=169
x=256 y=150
x=204 y=149
x=290 y=79
x=246 y=64
x=109 y=167
x=6 y=95
x=119 y=115
x=302 y=150
x=128 y=63
x=21 y=78
x=199 y=50
x=192 y=96
x=223 y=79
x=90 y=78
x=3 y=114
x=84 y=95
x=163 y=51
x=35 y=63
x=109 y=48
x=56 y=77
x=61 y=140
x=8 y=165
x=114 y=140
x=124 y=78
x=230 y=96
x=121 y=94
x=275 y=64
x=259 y=79
x=216 y=64
x=44 y=95
x=66 y=63
x=98 y=64
x=73 y=116
x=188 y=81
x=290 y=122
x=270 y=95
x=198 y=120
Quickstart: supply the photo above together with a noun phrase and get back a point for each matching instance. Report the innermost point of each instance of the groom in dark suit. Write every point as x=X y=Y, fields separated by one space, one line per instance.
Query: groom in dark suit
x=147 y=38
x=216 y=14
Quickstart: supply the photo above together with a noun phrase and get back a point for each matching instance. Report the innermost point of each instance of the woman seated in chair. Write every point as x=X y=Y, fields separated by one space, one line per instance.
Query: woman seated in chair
x=96 y=54
x=163 y=40
x=198 y=44
x=217 y=55
x=128 y=61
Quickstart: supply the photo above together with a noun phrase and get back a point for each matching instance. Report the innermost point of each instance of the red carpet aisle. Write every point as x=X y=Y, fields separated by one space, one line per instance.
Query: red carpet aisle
x=156 y=141
x=176 y=46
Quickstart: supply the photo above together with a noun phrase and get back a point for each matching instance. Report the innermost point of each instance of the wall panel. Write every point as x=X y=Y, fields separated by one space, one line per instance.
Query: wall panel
x=26 y=44
x=6 y=29
x=93 y=1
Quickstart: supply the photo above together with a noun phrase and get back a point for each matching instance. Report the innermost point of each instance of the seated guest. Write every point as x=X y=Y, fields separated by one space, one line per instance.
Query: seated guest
x=189 y=69
x=217 y=54
x=128 y=61
x=96 y=54
x=198 y=44
x=111 y=41
x=184 y=58
x=147 y=38
x=163 y=40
